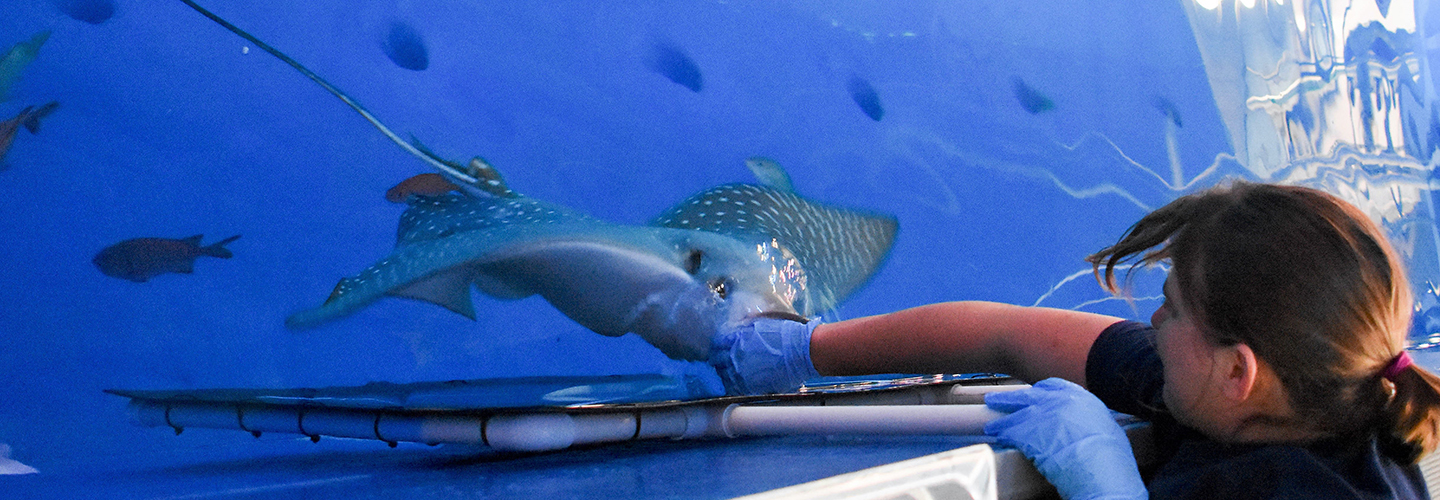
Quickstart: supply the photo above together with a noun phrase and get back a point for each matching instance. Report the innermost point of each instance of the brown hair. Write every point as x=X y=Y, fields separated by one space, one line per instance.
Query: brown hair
x=1311 y=285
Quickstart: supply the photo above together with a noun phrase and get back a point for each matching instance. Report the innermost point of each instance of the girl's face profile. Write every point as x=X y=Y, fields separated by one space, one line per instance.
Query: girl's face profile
x=1188 y=361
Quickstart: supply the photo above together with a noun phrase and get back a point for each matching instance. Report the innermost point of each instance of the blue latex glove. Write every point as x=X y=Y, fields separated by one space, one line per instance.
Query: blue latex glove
x=764 y=357
x=1071 y=437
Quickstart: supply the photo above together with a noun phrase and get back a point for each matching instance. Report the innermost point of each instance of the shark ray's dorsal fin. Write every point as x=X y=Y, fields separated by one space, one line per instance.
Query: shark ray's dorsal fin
x=448 y=168
x=770 y=173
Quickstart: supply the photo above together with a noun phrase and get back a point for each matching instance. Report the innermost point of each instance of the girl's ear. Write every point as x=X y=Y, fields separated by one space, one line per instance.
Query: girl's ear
x=1237 y=369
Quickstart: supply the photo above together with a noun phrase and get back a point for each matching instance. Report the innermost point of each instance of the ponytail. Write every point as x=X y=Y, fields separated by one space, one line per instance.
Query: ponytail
x=1412 y=415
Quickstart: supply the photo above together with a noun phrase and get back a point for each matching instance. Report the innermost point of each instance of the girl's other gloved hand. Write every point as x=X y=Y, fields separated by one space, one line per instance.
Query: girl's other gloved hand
x=1072 y=439
x=764 y=357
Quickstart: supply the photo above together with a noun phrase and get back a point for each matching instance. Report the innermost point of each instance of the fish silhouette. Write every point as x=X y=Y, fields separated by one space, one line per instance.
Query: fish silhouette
x=672 y=63
x=429 y=184
x=1032 y=100
x=406 y=48
x=16 y=59
x=29 y=118
x=865 y=96
x=716 y=259
x=140 y=259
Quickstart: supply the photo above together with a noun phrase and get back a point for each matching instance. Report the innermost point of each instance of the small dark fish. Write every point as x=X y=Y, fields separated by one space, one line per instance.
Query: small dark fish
x=865 y=96
x=140 y=259
x=405 y=47
x=674 y=64
x=1030 y=99
x=423 y=184
x=1167 y=107
x=28 y=117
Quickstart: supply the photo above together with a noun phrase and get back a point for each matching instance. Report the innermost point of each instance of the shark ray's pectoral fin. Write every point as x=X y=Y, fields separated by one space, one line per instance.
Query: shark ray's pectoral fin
x=500 y=288
x=449 y=288
x=438 y=270
x=341 y=287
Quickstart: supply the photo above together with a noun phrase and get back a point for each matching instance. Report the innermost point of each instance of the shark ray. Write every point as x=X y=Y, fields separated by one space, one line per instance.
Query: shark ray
x=713 y=261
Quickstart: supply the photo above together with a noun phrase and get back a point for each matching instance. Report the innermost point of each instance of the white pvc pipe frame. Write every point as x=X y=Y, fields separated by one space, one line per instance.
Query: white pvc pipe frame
x=546 y=431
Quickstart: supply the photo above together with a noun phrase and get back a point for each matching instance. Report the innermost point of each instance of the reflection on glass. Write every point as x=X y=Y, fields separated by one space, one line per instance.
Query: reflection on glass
x=1333 y=95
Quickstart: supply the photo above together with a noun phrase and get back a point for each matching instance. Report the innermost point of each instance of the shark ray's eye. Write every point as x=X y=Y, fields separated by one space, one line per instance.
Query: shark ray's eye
x=721 y=287
x=692 y=263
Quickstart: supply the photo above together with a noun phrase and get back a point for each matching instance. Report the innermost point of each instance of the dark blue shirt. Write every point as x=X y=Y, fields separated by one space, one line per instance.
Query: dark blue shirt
x=1124 y=370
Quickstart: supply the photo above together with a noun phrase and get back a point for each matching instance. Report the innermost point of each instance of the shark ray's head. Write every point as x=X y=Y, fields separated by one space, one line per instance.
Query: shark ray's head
x=727 y=284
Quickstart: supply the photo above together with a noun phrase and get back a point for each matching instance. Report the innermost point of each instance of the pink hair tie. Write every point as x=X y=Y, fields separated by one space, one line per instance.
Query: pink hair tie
x=1397 y=365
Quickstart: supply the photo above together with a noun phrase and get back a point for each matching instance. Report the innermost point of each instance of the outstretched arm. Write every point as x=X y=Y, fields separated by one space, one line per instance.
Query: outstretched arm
x=1029 y=343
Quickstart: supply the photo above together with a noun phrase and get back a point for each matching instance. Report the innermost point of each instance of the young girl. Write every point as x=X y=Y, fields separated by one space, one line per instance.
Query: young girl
x=1274 y=369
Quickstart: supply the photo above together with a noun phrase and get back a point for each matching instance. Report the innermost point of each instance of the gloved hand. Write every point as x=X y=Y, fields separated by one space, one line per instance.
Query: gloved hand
x=766 y=356
x=1071 y=437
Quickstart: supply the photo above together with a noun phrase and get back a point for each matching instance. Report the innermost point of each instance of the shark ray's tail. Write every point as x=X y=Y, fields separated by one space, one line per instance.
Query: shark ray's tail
x=464 y=179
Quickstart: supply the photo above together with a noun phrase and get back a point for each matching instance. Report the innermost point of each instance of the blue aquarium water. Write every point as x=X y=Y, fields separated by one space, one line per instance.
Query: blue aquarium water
x=1006 y=139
